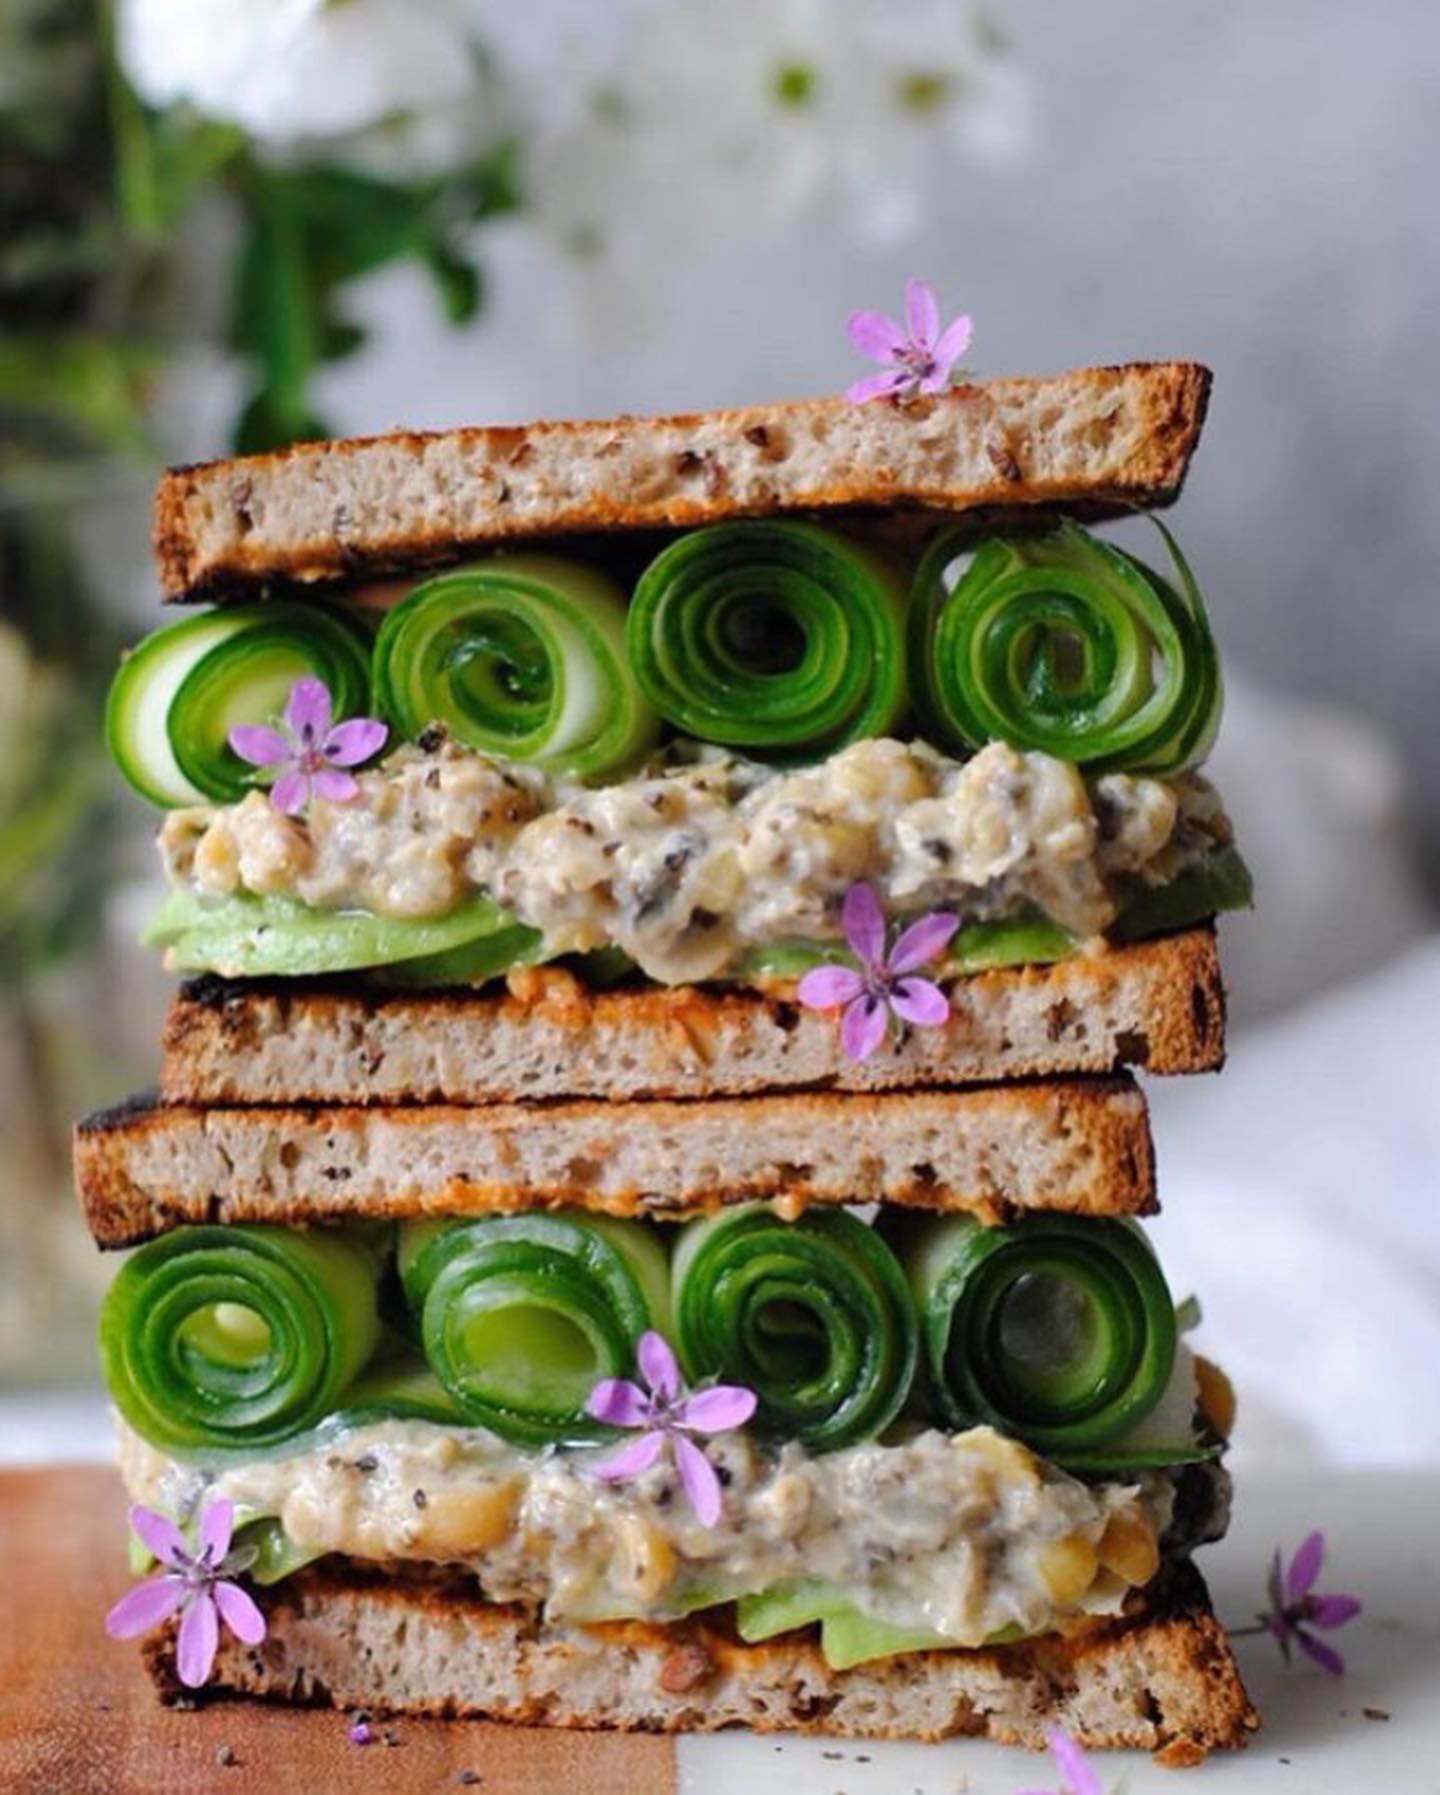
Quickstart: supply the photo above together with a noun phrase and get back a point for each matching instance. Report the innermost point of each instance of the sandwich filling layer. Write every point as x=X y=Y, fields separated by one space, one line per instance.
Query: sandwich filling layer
x=710 y=866
x=924 y=1426
x=959 y=1538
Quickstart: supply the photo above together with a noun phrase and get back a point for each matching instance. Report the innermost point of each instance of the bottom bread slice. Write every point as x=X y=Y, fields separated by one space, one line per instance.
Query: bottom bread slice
x=1162 y=1679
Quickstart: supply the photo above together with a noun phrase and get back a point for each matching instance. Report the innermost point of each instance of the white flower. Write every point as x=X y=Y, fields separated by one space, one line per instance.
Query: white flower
x=722 y=120
x=286 y=70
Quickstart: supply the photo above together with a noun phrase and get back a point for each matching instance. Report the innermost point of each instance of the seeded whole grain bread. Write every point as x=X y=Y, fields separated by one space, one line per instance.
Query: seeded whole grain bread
x=1080 y=1146
x=1162 y=1679
x=1159 y=1004
x=1101 y=439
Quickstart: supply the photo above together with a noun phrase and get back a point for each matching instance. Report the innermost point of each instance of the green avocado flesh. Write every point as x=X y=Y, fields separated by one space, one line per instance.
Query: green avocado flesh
x=259 y=937
x=847 y=1636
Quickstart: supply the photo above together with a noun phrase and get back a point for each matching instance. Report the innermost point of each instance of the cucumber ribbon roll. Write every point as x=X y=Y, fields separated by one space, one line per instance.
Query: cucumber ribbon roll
x=176 y=698
x=813 y=1315
x=522 y=657
x=238 y=1337
x=1065 y=644
x=1057 y=1330
x=521 y=1316
x=774 y=636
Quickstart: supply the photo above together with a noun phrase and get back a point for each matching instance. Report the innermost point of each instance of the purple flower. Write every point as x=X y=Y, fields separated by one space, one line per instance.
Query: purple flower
x=1294 y=1606
x=194 y=1585
x=882 y=988
x=306 y=751
x=666 y=1416
x=360 y=1731
x=1076 y=1775
x=917 y=357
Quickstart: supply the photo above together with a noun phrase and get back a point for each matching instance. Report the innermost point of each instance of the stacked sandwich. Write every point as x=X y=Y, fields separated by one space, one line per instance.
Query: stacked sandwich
x=640 y=1217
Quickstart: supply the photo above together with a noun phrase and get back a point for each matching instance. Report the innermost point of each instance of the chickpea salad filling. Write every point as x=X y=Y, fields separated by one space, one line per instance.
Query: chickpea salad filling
x=937 y=1540
x=683 y=774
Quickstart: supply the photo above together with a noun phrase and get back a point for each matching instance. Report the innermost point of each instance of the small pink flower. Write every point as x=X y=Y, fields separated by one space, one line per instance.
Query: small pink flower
x=307 y=753
x=882 y=988
x=667 y=1417
x=1294 y=1606
x=360 y=1731
x=194 y=1584
x=918 y=357
x=1077 y=1777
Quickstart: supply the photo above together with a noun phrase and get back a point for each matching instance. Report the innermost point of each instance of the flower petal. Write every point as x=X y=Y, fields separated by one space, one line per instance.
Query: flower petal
x=216 y=1526
x=199 y=1637
x=827 y=987
x=700 y=1483
x=1332 y=1611
x=877 y=386
x=239 y=1613
x=307 y=709
x=922 y=941
x=657 y=1366
x=717 y=1410
x=618 y=1403
x=145 y=1607
x=161 y=1538
x=1324 y=1655
x=349 y=743
x=260 y=746
x=1305 y=1566
x=953 y=342
x=920 y=1003
x=1079 y=1775
x=863 y=1028
x=291 y=793
x=875 y=335
x=922 y=314
x=334 y=786
x=863 y=921
x=630 y=1460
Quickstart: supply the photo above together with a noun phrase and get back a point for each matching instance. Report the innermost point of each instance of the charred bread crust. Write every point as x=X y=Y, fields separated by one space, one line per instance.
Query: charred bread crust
x=1160 y=1678
x=1157 y=1005
x=1079 y=1146
x=1105 y=439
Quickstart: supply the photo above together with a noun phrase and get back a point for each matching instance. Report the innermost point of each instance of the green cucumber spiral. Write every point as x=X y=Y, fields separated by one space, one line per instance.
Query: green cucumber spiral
x=812 y=1315
x=521 y=1316
x=1064 y=644
x=778 y=637
x=522 y=657
x=1058 y=1330
x=175 y=699
x=237 y=1337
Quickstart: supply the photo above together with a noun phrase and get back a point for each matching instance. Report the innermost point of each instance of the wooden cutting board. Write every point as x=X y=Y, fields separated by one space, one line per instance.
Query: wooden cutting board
x=78 y=1715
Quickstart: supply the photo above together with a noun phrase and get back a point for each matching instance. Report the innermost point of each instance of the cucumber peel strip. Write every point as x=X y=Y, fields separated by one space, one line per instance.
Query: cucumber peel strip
x=777 y=636
x=1056 y=1330
x=521 y=1316
x=521 y=656
x=1063 y=643
x=812 y=1315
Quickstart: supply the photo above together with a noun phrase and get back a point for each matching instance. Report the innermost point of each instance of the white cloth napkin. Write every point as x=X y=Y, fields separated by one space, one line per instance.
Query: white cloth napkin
x=1301 y=1193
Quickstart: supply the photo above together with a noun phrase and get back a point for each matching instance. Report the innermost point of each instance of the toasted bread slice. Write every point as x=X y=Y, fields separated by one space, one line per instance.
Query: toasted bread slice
x=1159 y=1004
x=1161 y=1679
x=1099 y=439
x=1080 y=1146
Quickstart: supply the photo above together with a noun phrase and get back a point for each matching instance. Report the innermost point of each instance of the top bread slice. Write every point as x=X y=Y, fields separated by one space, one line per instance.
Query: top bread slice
x=1097 y=440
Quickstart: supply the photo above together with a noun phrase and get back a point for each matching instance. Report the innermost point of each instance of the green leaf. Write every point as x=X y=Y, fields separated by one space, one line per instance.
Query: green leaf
x=457 y=281
x=91 y=385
